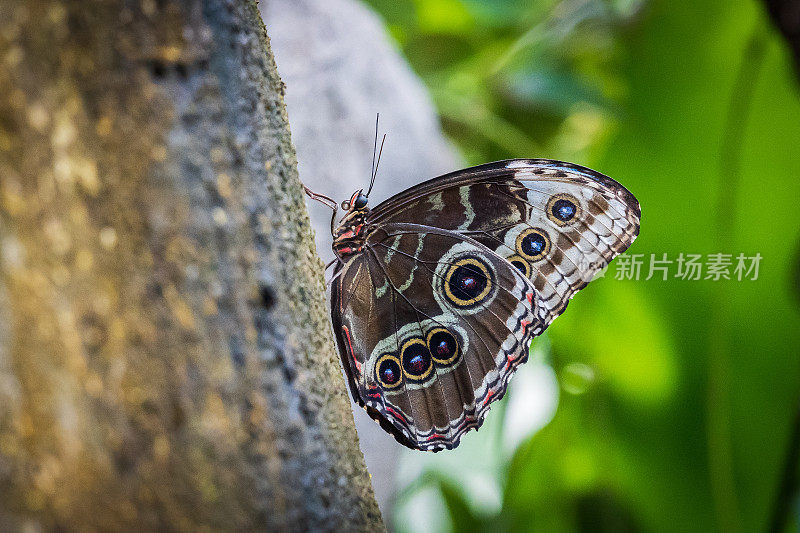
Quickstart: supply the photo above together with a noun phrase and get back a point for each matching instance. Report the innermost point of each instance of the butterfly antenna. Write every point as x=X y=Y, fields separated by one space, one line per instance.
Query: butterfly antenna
x=377 y=163
x=379 y=152
x=374 y=147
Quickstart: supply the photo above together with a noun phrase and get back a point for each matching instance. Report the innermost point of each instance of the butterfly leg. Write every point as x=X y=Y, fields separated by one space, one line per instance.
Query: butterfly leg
x=330 y=202
x=336 y=275
x=321 y=198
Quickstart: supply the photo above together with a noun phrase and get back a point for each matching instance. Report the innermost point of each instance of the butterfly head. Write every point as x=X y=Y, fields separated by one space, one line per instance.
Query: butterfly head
x=349 y=235
x=357 y=201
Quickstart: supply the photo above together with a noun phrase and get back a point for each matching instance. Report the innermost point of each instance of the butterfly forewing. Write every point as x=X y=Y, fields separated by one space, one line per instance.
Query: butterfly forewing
x=559 y=223
x=456 y=276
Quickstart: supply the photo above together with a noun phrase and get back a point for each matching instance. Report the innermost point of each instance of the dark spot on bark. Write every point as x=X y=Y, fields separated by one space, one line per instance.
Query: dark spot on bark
x=309 y=414
x=237 y=352
x=266 y=296
x=156 y=290
x=125 y=457
x=94 y=332
x=178 y=413
x=157 y=68
x=149 y=407
x=288 y=372
x=165 y=70
x=182 y=70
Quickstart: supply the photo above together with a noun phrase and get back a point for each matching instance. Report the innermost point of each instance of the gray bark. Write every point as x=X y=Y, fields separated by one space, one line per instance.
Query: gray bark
x=165 y=355
x=339 y=71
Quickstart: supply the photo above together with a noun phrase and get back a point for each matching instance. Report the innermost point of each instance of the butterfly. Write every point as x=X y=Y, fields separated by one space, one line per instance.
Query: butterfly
x=438 y=291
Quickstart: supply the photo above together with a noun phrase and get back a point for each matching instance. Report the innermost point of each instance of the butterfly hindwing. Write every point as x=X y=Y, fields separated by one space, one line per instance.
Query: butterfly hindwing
x=444 y=323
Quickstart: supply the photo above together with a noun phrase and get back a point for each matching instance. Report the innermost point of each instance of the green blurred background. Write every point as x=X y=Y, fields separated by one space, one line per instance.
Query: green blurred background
x=675 y=399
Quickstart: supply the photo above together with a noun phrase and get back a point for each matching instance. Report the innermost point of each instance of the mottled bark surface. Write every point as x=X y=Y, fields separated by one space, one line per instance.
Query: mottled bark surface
x=339 y=71
x=165 y=355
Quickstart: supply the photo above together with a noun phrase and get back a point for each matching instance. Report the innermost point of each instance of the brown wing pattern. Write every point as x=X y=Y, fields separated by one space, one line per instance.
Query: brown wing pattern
x=443 y=323
x=427 y=347
x=508 y=204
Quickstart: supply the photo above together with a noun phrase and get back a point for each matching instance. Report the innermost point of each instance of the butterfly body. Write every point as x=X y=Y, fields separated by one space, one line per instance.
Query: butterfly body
x=349 y=236
x=439 y=290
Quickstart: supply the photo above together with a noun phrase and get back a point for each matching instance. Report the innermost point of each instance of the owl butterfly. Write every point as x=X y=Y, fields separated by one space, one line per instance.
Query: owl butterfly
x=438 y=291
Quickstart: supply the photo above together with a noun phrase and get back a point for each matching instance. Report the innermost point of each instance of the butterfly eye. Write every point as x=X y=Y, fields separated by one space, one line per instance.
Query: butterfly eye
x=443 y=346
x=562 y=209
x=533 y=244
x=416 y=357
x=521 y=264
x=388 y=372
x=361 y=202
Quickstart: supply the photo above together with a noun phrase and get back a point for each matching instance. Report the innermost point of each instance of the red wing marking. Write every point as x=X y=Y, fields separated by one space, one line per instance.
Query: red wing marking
x=349 y=250
x=488 y=397
x=397 y=414
x=350 y=350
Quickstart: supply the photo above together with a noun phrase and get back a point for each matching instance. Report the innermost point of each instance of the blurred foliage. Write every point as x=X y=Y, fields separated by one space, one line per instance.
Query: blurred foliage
x=509 y=76
x=677 y=396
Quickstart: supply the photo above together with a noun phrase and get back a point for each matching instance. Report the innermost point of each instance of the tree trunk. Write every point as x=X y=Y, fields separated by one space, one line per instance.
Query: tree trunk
x=165 y=355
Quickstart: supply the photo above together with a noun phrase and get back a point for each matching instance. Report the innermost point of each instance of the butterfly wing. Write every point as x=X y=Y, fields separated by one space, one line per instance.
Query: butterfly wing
x=557 y=222
x=430 y=356
x=442 y=324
